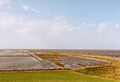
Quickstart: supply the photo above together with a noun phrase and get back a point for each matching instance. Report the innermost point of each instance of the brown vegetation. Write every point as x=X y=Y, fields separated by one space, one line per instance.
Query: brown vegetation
x=58 y=64
x=80 y=64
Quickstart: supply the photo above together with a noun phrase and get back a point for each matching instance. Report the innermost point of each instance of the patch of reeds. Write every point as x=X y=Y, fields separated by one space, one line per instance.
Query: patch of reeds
x=80 y=64
x=59 y=64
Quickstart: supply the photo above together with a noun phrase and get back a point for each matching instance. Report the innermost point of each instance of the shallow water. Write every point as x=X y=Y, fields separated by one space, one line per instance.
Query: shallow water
x=8 y=63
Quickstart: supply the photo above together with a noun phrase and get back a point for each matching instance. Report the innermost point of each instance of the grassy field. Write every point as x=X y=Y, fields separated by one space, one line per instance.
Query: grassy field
x=49 y=76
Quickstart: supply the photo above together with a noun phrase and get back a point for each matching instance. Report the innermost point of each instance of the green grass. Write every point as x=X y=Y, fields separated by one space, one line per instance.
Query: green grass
x=98 y=70
x=48 y=76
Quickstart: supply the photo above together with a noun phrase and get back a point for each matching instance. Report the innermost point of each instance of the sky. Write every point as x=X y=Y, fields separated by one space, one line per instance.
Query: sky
x=60 y=24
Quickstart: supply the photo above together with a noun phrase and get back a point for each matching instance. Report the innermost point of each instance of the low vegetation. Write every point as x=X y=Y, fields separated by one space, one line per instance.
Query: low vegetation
x=49 y=76
x=80 y=64
x=59 y=64
x=89 y=57
x=111 y=69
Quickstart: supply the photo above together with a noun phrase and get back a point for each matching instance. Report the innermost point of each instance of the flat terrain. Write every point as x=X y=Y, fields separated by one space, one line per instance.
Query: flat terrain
x=115 y=53
x=49 y=76
x=82 y=64
x=37 y=59
x=112 y=54
x=7 y=63
x=17 y=59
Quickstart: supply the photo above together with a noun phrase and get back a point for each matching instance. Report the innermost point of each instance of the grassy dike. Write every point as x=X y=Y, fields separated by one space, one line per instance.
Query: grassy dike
x=49 y=76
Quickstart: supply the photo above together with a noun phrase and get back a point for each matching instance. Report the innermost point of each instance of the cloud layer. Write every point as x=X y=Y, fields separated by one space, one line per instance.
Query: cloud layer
x=40 y=28
x=2 y=2
x=57 y=26
x=53 y=32
x=30 y=8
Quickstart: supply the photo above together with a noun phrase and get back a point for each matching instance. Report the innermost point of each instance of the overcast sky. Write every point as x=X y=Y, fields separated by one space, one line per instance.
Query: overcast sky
x=61 y=24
